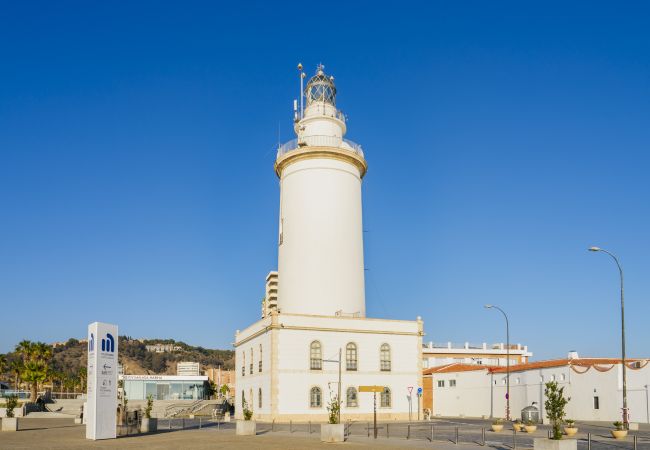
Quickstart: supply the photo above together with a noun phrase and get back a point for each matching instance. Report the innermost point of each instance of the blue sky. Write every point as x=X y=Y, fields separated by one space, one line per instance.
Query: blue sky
x=503 y=138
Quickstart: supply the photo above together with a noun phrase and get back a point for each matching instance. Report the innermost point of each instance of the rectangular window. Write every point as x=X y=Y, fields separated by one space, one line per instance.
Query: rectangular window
x=596 y=403
x=441 y=383
x=243 y=371
x=452 y=383
x=251 y=368
x=260 y=366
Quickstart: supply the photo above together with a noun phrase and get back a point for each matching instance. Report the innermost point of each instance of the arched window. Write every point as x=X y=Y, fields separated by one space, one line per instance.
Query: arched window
x=385 y=398
x=384 y=357
x=351 y=356
x=351 y=398
x=259 y=369
x=259 y=398
x=315 y=356
x=315 y=397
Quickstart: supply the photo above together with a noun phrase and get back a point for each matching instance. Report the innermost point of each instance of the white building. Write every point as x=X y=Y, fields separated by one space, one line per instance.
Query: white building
x=287 y=362
x=435 y=354
x=593 y=384
x=188 y=368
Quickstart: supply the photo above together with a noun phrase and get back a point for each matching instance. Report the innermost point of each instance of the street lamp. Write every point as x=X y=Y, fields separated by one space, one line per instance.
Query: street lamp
x=507 y=359
x=620 y=271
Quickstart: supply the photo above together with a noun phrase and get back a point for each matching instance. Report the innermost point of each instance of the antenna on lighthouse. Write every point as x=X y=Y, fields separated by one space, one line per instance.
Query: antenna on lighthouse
x=302 y=77
x=295 y=110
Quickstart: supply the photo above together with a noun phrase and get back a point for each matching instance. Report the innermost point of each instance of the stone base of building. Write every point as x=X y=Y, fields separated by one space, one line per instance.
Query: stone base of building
x=324 y=418
x=552 y=444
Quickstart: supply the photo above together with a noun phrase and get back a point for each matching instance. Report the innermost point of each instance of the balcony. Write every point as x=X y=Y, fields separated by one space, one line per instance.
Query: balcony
x=319 y=141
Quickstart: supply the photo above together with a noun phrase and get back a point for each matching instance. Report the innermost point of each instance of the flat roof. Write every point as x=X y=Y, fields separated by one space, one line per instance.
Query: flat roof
x=163 y=377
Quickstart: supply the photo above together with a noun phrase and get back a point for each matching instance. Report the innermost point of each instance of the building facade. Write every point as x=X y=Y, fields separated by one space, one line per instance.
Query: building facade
x=188 y=368
x=287 y=363
x=164 y=387
x=593 y=384
x=435 y=354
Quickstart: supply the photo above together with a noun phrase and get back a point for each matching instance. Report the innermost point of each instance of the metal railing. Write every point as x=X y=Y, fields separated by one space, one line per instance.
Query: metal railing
x=319 y=141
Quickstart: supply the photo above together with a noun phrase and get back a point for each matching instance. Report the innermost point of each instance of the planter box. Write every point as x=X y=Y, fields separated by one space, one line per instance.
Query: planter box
x=332 y=432
x=530 y=428
x=10 y=424
x=570 y=431
x=246 y=428
x=148 y=425
x=619 y=434
x=497 y=427
x=552 y=444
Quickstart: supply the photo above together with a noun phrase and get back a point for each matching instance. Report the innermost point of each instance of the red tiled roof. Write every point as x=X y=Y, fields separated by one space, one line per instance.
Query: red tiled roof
x=455 y=367
x=582 y=362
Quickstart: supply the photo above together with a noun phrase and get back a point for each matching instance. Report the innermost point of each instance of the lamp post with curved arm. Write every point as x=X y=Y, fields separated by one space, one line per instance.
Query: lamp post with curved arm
x=507 y=359
x=620 y=272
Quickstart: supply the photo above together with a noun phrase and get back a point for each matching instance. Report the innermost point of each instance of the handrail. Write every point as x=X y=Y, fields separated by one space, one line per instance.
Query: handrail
x=319 y=141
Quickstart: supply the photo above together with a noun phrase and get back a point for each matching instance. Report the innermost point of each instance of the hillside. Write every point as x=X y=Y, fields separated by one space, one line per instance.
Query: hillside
x=70 y=357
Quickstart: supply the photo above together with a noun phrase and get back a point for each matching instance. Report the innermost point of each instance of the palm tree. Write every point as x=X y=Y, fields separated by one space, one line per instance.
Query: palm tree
x=16 y=368
x=35 y=364
x=83 y=376
x=3 y=364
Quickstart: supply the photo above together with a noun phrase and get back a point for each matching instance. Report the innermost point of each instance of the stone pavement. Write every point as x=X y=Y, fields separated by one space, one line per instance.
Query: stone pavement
x=63 y=434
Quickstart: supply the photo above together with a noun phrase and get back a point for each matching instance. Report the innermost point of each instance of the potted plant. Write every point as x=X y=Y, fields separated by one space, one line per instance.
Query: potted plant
x=10 y=423
x=619 y=432
x=497 y=425
x=333 y=431
x=246 y=427
x=149 y=424
x=570 y=429
x=530 y=426
x=554 y=405
x=518 y=425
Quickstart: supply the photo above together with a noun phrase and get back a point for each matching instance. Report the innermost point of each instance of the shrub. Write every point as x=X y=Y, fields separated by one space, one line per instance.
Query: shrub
x=333 y=410
x=555 y=404
x=497 y=421
x=618 y=425
x=11 y=403
x=248 y=413
x=147 y=410
x=570 y=423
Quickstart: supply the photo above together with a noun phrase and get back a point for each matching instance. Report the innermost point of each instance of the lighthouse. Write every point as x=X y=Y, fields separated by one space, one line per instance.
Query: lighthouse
x=314 y=345
x=320 y=252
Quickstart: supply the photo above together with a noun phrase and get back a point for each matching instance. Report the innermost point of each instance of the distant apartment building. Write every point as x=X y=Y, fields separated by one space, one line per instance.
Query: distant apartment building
x=436 y=354
x=270 y=302
x=162 y=348
x=187 y=368
x=222 y=377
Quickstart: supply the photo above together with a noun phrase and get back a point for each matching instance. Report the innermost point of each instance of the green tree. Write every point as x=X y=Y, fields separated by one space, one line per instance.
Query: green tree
x=35 y=364
x=555 y=404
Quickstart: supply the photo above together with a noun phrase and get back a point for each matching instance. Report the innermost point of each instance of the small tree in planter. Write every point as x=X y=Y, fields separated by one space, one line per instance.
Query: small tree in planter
x=246 y=427
x=497 y=425
x=554 y=405
x=10 y=423
x=148 y=424
x=333 y=431
x=570 y=429
x=619 y=432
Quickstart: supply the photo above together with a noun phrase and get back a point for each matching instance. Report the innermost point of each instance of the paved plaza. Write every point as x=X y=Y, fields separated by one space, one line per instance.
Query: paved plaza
x=41 y=433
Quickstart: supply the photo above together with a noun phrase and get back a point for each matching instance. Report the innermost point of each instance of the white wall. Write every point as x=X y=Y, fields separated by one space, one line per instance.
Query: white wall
x=475 y=390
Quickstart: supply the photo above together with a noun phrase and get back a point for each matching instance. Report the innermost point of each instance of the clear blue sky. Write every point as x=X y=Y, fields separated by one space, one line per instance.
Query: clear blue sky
x=137 y=146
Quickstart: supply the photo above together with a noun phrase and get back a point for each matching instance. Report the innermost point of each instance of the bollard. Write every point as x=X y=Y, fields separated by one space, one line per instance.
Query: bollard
x=588 y=441
x=483 y=437
x=635 y=442
x=408 y=432
x=368 y=428
x=199 y=423
x=273 y=425
x=549 y=434
x=310 y=427
x=387 y=433
x=514 y=438
x=456 y=435
x=290 y=426
x=431 y=432
x=169 y=424
x=183 y=423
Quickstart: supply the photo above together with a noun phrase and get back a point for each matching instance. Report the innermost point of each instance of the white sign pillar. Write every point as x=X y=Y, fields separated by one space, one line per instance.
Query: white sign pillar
x=102 y=381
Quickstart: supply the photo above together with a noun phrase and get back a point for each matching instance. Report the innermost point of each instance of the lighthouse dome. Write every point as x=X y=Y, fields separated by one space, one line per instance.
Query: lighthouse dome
x=321 y=88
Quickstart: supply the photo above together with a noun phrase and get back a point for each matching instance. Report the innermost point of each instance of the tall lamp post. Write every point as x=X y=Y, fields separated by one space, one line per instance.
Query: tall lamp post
x=507 y=359
x=620 y=272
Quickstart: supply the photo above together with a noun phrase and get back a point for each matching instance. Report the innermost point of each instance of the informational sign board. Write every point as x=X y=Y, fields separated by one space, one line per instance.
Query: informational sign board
x=102 y=381
x=371 y=389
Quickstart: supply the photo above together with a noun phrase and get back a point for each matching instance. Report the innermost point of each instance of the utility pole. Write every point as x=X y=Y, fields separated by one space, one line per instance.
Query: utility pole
x=507 y=359
x=339 y=399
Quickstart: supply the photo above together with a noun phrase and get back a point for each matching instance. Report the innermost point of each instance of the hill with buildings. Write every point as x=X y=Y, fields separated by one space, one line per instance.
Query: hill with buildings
x=137 y=357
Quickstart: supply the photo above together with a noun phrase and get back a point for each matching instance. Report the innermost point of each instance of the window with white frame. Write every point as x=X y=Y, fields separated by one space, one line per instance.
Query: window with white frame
x=386 y=398
x=441 y=383
x=315 y=356
x=351 y=356
x=452 y=383
x=351 y=398
x=384 y=358
x=315 y=397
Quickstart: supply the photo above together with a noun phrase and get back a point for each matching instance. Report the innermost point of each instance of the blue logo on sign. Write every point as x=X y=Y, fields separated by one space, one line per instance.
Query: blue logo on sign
x=91 y=343
x=108 y=344
x=419 y=391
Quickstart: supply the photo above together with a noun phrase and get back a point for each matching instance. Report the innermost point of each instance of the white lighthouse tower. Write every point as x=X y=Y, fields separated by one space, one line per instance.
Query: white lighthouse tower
x=320 y=256
x=314 y=343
